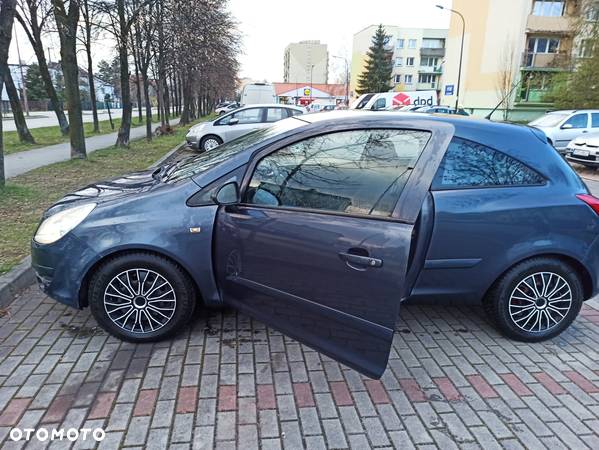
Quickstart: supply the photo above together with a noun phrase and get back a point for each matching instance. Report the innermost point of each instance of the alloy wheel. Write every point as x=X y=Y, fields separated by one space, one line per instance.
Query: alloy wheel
x=140 y=300
x=540 y=301
x=210 y=143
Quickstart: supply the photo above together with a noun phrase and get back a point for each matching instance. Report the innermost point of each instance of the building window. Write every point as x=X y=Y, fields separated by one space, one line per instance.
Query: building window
x=407 y=79
x=400 y=43
x=433 y=43
x=397 y=79
x=399 y=61
x=428 y=61
x=543 y=45
x=412 y=43
x=548 y=8
x=586 y=48
x=410 y=61
x=426 y=78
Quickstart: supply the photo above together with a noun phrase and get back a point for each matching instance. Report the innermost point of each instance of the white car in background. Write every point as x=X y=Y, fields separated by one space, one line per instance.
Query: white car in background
x=584 y=150
x=228 y=107
x=561 y=127
x=207 y=135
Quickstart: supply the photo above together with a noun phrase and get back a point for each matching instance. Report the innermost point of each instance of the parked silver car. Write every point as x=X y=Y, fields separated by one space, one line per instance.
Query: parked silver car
x=207 y=135
x=561 y=127
x=584 y=150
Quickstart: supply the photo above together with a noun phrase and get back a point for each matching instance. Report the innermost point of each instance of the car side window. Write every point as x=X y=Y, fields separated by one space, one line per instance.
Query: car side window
x=354 y=172
x=293 y=112
x=252 y=115
x=379 y=104
x=275 y=114
x=467 y=164
x=595 y=120
x=577 y=121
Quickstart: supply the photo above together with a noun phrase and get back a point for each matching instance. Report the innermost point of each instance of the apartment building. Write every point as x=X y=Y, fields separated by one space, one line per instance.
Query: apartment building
x=418 y=57
x=306 y=62
x=531 y=40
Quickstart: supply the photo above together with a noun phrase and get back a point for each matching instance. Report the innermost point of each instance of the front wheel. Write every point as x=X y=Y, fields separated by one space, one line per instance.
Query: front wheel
x=536 y=299
x=209 y=142
x=141 y=297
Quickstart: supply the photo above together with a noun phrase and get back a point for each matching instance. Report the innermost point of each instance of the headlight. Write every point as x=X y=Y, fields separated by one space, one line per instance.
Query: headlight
x=59 y=224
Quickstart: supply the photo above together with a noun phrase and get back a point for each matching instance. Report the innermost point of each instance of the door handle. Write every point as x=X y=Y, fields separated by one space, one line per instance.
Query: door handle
x=360 y=261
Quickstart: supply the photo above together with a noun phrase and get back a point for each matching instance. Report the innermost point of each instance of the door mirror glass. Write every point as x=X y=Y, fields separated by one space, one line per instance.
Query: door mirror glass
x=567 y=126
x=233 y=121
x=227 y=194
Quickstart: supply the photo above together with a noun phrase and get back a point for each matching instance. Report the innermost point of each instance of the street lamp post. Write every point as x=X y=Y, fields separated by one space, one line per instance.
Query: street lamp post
x=311 y=68
x=457 y=97
x=346 y=78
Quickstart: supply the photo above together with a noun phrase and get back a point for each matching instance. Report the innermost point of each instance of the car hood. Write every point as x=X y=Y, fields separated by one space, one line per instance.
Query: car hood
x=590 y=140
x=199 y=127
x=105 y=191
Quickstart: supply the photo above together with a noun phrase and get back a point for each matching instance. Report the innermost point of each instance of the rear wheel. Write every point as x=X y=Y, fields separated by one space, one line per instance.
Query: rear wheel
x=209 y=142
x=141 y=297
x=536 y=299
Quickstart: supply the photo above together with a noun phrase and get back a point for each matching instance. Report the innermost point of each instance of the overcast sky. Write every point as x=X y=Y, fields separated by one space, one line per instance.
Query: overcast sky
x=268 y=26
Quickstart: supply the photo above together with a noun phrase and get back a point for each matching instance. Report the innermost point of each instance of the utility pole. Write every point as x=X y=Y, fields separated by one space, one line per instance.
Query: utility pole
x=457 y=96
x=23 y=84
x=346 y=78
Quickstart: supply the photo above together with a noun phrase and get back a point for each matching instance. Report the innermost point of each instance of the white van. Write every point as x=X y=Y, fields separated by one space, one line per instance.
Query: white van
x=387 y=100
x=256 y=93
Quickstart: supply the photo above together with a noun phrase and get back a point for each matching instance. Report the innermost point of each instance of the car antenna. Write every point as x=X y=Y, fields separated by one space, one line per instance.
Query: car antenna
x=488 y=116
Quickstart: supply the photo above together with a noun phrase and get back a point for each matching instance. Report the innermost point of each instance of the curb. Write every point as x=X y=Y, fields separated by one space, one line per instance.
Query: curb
x=22 y=276
x=16 y=281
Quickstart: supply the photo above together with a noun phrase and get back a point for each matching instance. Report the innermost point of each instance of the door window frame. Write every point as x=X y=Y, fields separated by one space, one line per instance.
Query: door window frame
x=407 y=207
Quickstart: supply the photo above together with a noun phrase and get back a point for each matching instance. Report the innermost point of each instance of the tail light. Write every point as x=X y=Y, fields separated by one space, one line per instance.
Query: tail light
x=593 y=202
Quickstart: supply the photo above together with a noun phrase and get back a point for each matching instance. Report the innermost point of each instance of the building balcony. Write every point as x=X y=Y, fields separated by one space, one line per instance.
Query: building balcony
x=437 y=70
x=435 y=52
x=427 y=86
x=546 y=61
x=549 y=25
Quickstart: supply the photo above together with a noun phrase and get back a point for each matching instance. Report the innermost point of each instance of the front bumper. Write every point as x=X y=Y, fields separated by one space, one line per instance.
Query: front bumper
x=591 y=159
x=60 y=268
x=193 y=141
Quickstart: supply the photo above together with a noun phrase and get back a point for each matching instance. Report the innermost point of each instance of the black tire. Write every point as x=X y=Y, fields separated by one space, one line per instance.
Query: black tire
x=207 y=138
x=184 y=295
x=513 y=319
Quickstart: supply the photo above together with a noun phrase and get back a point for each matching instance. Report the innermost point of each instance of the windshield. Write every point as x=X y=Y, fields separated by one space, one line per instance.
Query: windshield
x=193 y=165
x=548 y=120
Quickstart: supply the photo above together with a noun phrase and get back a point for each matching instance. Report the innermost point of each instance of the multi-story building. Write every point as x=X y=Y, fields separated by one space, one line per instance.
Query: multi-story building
x=306 y=62
x=418 y=56
x=515 y=46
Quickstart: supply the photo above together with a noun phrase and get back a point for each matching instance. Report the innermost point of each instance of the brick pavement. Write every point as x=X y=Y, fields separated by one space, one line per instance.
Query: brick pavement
x=230 y=382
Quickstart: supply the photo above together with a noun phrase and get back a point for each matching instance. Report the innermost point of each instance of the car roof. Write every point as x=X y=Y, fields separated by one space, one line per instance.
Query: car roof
x=571 y=111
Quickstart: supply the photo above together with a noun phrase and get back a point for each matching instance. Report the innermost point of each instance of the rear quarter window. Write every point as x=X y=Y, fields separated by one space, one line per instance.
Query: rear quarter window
x=468 y=164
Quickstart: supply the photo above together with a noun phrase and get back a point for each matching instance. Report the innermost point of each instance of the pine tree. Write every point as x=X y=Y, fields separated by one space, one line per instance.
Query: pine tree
x=376 y=76
x=36 y=89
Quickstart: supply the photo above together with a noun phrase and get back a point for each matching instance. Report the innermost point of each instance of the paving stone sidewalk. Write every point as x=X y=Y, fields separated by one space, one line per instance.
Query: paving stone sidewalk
x=230 y=382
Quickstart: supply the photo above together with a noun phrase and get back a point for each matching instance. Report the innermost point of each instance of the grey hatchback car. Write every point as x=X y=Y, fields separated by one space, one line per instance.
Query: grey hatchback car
x=322 y=225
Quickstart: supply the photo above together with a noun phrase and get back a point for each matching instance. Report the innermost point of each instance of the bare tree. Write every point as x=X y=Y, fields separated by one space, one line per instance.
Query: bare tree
x=17 y=111
x=34 y=15
x=7 y=15
x=506 y=77
x=66 y=14
x=90 y=16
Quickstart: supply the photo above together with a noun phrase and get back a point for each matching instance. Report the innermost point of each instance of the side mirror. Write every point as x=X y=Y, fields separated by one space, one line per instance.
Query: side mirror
x=227 y=194
x=567 y=126
x=233 y=121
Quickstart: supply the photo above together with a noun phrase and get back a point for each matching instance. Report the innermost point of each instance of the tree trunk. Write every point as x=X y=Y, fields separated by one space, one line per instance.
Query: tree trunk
x=122 y=139
x=146 y=86
x=176 y=95
x=137 y=83
x=67 y=29
x=92 y=85
x=17 y=111
x=7 y=14
x=186 y=93
x=167 y=103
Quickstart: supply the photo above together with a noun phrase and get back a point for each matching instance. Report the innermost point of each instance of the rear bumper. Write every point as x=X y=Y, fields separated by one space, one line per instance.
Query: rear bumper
x=60 y=268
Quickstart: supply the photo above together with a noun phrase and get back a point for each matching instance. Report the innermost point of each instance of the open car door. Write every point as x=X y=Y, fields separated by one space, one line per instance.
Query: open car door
x=319 y=246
